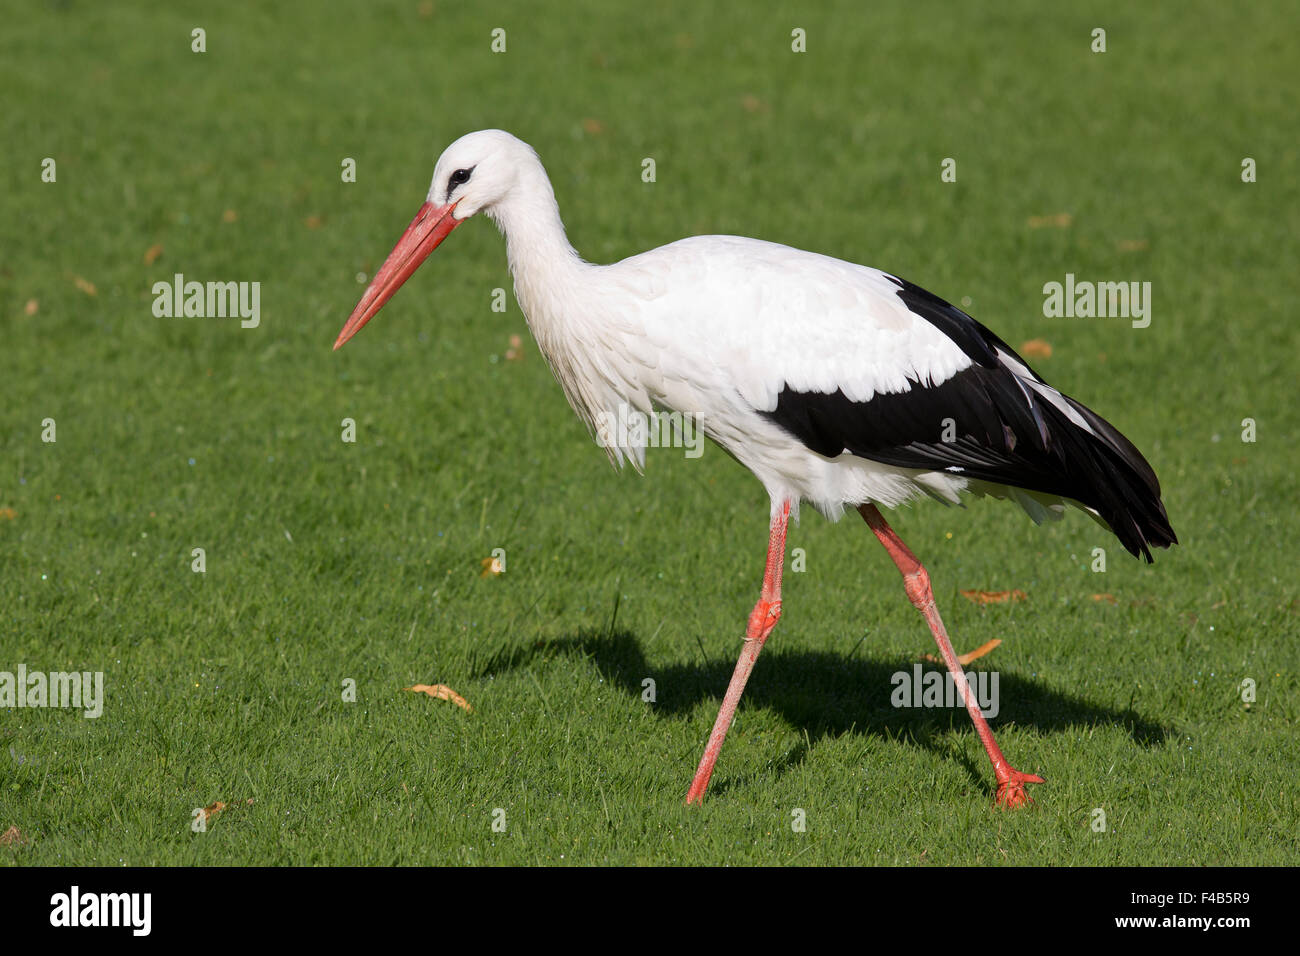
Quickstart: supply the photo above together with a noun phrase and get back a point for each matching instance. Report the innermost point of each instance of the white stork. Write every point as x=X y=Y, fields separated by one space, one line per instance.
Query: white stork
x=833 y=383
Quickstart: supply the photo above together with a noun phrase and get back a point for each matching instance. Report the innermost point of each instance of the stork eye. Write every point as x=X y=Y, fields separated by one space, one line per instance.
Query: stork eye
x=460 y=177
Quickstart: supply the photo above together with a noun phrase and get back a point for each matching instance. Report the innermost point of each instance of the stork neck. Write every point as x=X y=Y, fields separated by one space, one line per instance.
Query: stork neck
x=544 y=265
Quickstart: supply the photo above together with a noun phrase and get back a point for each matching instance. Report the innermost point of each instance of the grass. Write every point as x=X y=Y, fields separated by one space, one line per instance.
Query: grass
x=328 y=561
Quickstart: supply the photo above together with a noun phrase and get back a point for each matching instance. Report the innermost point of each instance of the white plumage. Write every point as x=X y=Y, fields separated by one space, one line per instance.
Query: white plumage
x=711 y=327
x=715 y=327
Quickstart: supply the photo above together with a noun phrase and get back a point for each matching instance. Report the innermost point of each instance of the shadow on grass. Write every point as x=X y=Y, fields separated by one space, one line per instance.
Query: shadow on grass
x=823 y=694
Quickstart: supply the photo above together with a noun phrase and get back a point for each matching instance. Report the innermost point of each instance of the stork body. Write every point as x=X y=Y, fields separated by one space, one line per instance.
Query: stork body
x=834 y=383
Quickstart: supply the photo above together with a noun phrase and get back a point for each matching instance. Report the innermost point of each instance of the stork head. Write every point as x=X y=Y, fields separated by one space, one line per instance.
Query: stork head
x=473 y=174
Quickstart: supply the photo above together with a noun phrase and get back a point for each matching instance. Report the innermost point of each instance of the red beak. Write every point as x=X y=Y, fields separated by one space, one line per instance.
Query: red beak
x=431 y=225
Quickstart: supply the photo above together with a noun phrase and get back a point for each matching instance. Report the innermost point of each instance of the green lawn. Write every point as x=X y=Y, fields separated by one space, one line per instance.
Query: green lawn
x=328 y=561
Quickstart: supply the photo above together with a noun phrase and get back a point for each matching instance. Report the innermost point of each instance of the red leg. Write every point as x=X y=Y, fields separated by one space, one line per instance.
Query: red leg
x=1011 y=782
x=761 y=621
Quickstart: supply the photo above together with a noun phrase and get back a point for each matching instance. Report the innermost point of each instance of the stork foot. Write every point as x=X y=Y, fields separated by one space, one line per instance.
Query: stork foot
x=1011 y=788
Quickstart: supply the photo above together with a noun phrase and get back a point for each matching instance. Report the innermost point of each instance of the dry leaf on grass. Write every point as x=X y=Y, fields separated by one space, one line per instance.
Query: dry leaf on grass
x=979 y=652
x=1060 y=220
x=1132 y=245
x=592 y=126
x=1036 y=348
x=229 y=215
x=12 y=837
x=85 y=285
x=516 y=350
x=8 y=514
x=218 y=807
x=994 y=597
x=964 y=659
x=31 y=307
x=152 y=253
x=1108 y=598
x=442 y=692
x=491 y=566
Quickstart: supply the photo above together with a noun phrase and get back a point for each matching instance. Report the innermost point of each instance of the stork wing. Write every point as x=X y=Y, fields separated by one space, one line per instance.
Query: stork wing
x=851 y=360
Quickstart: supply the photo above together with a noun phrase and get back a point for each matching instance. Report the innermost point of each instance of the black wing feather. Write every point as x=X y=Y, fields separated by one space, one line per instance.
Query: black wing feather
x=985 y=423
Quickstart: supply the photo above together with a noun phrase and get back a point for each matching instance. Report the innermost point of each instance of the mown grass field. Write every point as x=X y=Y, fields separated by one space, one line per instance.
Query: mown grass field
x=329 y=561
